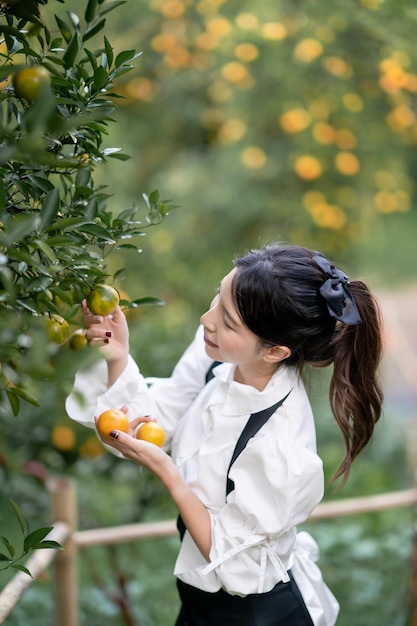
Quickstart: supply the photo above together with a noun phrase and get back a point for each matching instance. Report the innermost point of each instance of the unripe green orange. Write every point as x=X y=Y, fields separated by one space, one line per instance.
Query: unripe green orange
x=57 y=329
x=78 y=340
x=102 y=300
x=28 y=82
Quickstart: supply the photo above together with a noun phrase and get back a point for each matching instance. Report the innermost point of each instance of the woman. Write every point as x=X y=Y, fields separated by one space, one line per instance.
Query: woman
x=241 y=560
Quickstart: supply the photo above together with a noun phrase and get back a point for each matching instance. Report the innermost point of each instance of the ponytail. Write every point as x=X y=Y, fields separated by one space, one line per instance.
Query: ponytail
x=292 y=296
x=355 y=394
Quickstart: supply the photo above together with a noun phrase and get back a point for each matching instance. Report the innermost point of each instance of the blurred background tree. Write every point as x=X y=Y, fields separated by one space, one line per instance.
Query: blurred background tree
x=294 y=120
x=288 y=121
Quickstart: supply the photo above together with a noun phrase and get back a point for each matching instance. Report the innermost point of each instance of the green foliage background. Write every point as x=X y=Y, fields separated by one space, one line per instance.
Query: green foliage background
x=225 y=99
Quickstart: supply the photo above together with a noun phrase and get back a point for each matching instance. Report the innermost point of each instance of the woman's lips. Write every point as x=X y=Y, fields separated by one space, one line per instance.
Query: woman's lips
x=209 y=343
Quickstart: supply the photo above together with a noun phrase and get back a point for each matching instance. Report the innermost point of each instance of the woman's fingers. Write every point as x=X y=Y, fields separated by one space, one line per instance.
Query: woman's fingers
x=98 y=336
x=135 y=422
x=142 y=452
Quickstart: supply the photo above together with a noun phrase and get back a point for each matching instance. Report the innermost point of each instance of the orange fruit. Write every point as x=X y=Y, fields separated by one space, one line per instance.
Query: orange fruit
x=78 y=340
x=152 y=432
x=91 y=448
x=102 y=300
x=112 y=419
x=63 y=437
x=57 y=329
x=28 y=82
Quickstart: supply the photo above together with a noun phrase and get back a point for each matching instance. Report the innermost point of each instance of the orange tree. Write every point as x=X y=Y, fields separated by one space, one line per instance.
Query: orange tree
x=56 y=227
x=292 y=120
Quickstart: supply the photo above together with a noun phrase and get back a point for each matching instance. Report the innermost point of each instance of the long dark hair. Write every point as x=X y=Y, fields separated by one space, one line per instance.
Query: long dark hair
x=276 y=291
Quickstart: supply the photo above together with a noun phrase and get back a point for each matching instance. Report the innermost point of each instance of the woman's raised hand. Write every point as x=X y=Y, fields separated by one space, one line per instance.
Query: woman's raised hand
x=111 y=335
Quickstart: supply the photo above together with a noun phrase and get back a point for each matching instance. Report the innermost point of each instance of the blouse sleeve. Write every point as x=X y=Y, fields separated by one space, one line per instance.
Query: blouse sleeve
x=90 y=395
x=165 y=399
x=277 y=485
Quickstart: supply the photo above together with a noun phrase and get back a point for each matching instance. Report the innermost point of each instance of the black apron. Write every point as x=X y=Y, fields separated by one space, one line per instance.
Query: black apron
x=282 y=606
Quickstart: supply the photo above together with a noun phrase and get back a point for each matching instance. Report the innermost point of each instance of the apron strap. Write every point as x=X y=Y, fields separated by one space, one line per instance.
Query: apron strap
x=254 y=423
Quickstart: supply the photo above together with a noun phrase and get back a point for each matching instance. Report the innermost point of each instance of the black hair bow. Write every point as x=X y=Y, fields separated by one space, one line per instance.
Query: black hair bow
x=335 y=291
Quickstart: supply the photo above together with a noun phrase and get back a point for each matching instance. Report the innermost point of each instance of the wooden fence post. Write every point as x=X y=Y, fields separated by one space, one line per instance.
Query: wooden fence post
x=64 y=509
x=412 y=615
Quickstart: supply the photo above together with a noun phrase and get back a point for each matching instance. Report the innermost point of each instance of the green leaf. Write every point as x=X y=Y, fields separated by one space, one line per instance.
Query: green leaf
x=100 y=77
x=128 y=246
x=71 y=52
x=46 y=249
x=21 y=568
x=148 y=301
x=94 y=30
x=111 y=6
x=75 y=20
x=97 y=231
x=38 y=284
x=25 y=395
x=42 y=183
x=124 y=56
x=20 y=517
x=4 y=558
x=119 y=156
x=47 y=544
x=8 y=293
x=90 y=10
x=26 y=305
x=7 y=152
x=68 y=223
x=50 y=208
x=13 y=400
x=35 y=118
x=59 y=241
x=127 y=214
x=11 y=550
x=20 y=227
x=35 y=537
x=154 y=197
x=110 y=151
x=91 y=210
x=109 y=52
x=83 y=177
x=3 y=197
x=91 y=58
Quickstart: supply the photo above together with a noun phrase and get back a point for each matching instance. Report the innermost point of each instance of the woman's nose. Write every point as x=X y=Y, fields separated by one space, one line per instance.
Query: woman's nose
x=207 y=319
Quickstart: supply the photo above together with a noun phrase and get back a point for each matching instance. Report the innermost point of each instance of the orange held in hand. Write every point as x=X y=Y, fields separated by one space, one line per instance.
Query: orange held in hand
x=103 y=300
x=152 y=432
x=112 y=419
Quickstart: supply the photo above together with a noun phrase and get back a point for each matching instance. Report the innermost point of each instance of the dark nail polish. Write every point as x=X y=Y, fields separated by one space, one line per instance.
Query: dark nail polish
x=114 y=434
x=108 y=333
x=105 y=340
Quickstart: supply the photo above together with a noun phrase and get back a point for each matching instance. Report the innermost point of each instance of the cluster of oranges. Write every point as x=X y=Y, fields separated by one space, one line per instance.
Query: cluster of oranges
x=101 y=300
x=115 y=419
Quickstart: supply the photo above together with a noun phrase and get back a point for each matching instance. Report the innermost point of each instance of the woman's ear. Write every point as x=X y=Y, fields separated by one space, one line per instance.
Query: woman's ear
x=277 y=354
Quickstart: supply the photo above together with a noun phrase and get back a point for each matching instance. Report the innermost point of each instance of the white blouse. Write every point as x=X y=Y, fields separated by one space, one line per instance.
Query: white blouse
x=278 y=477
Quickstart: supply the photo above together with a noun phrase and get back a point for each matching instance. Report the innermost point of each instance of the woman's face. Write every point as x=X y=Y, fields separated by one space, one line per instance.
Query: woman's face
x=226 y=337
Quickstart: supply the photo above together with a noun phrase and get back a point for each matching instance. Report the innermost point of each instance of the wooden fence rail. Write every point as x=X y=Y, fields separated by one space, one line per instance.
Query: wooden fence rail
x=64 y=512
